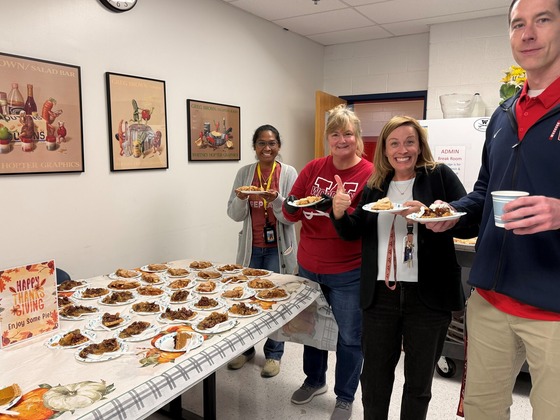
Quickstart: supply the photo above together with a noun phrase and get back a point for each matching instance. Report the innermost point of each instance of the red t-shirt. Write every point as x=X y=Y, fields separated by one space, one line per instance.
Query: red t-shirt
x=528 y=111
x=320 y=248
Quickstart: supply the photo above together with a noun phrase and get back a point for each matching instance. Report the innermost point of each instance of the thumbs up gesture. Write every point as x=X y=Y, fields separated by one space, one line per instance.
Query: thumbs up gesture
x=341 y=200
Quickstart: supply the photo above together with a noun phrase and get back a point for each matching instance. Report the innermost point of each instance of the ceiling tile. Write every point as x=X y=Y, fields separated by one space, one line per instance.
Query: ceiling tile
x=336 y=20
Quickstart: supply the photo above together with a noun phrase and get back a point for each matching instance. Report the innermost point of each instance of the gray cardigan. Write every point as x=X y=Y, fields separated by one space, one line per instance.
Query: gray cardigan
x=239 y=210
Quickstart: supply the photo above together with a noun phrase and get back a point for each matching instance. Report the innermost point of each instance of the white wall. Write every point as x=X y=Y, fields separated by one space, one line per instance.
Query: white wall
x=457 y=57
x=95 y=222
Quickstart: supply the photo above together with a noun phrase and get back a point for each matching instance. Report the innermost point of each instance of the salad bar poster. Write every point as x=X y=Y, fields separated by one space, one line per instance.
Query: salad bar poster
x=137 y=122
x=28 y=302
x=213 y=131
x=40 y=117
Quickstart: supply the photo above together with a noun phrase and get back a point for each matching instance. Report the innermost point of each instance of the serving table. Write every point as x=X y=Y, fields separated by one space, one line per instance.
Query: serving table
x=143 y=378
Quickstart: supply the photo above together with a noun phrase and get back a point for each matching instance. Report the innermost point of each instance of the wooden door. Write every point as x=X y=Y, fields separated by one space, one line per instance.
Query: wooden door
x=323 y=103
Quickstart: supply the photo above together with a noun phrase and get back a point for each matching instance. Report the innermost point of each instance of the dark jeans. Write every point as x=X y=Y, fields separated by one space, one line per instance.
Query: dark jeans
x=267 y=259
x=342 y=292
x=398 y=317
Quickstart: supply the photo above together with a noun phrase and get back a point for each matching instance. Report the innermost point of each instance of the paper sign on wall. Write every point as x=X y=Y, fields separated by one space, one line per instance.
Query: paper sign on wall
x=28 y=302
x=454 y=157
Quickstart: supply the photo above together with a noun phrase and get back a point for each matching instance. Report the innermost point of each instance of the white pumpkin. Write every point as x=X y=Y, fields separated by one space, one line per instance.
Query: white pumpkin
x=73 y=396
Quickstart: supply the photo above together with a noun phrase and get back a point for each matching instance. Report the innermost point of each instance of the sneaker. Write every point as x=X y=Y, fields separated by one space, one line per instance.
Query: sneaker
x=240 y=360
x=271 y=368
x=306 y=393
x=342 y=410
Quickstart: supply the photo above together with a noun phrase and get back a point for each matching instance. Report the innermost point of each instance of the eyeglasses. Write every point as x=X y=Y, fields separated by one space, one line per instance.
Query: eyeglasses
x=271 y=144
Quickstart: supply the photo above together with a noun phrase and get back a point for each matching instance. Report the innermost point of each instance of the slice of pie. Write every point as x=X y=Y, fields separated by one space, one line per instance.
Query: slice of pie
x=180 y=340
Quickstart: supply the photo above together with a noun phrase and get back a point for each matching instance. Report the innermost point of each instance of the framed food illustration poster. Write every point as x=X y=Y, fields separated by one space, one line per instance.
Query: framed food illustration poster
x=40 y=116
x=137 y=122
x=28 y=302
x=213 y=131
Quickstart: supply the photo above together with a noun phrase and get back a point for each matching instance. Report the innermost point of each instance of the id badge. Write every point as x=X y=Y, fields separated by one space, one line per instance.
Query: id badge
x=269 y=234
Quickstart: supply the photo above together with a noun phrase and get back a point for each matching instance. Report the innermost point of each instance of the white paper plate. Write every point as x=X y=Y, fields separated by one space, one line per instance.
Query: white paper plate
x=188 y=286
x=113 y=276
x=79 y=317
x=273 y=299
x=148 y=333
x=205 y=268
x=217 y=289
x=102 y=357
x=96 y=325
x=166 y=342
x=176 y=321
x=396 y=208
x=416 y=218
x=192 y=307
x=248 y=192
x=73 y=289
x=247 y=293
x=147 y=270
x=52 y=342
x=78 y=294
x=234 y=315
x=248 y=285
x=293 y=203
x=265 y=273
x=161 y=308
x=126 y=302
x=216 y=329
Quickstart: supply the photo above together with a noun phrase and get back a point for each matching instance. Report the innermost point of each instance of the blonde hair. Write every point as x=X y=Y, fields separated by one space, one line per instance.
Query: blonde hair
x=380 y=162
x=341 y=118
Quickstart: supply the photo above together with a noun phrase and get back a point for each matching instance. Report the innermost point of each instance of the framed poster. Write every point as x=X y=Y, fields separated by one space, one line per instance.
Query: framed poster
x=137 y=122
x=40 y=116
x=213 y=131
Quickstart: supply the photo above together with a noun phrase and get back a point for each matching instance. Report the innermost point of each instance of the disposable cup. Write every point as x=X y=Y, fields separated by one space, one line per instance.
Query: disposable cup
x=500 y=199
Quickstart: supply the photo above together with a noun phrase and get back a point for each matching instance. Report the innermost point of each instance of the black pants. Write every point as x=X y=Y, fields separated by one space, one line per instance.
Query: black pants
x=398 y=318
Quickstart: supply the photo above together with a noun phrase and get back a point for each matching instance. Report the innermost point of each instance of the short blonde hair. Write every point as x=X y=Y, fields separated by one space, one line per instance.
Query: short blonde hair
x=381 y=163
x=341 y=118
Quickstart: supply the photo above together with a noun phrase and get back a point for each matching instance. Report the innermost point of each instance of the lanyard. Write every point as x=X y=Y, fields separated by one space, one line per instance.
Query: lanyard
x=268 y=182
x=392 y=254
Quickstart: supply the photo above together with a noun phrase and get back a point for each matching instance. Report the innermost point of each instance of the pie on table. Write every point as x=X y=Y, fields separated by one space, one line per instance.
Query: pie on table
x=127 y=274
x=230 y=267
x=63 y=301
x=150 y=278
x=157 y=267
x=179 y=284
x=10 y=393
x=243 y=309
x=206 y=287
x=236 y=293
x=69 y=285
x=72 y=338
x=181 y=314
x=76 y=310
x=149 y=291
x=117 y=297
x=137 y=327
x=254 y=272
x=259 y=283
x=179 y=296
x=93 y=292
x=205 y=302
x=272 y=294
x=123 y=285
x=201 y=265
x=145 y=307
x=111 y=320
x=106 y=346
x=212 y=320
x=180 y=340
x=177 y=271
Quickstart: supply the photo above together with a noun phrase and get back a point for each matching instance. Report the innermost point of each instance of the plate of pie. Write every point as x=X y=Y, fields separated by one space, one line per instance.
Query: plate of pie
x=182 y=341
x=250 y=189
x=244 y=310
x=238 y=293
x=214 y=323
x=65 y=300
x=200 y=265
x=71 y=285
x=153 y=278
x=230 y=268
x=255 y=272
x=260 y=284
x=108 y=322
x=90 y=293
x=308 y=201
x=177 y=316
x=179 y=284
x=179 y=296
x=146 y=308
x=123 y=285
x=118 y=298
x=154 y=268
x=238 y=278
x=177 y=272
x=123 y=274
x=10 y=395
x=273 y=295
x=396 y=207
x=150 y=291
x=423 y=217
x=70 y=339
x=137 y=331
x=206 y=304
x=208 y=275
x=208 y=287
x=108 y=349
x=77 y=312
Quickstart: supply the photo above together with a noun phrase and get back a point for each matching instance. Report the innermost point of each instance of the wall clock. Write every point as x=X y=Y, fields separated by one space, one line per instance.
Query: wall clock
x=119 y=5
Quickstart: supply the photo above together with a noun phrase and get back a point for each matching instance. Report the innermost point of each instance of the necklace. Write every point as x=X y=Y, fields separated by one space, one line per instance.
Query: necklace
x=394 y=184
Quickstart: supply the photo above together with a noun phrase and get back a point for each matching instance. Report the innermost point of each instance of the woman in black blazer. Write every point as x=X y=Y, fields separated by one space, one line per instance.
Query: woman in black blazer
x=410 y=280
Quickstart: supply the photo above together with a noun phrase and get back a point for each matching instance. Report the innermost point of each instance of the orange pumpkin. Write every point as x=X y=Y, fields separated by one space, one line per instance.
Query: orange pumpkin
x=31 y=407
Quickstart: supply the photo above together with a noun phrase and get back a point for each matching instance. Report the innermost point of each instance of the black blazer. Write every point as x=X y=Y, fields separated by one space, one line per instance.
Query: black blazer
x=439 y=274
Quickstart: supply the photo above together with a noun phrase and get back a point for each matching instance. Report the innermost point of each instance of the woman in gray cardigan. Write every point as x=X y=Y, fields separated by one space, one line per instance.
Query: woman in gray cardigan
x=267 y=240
